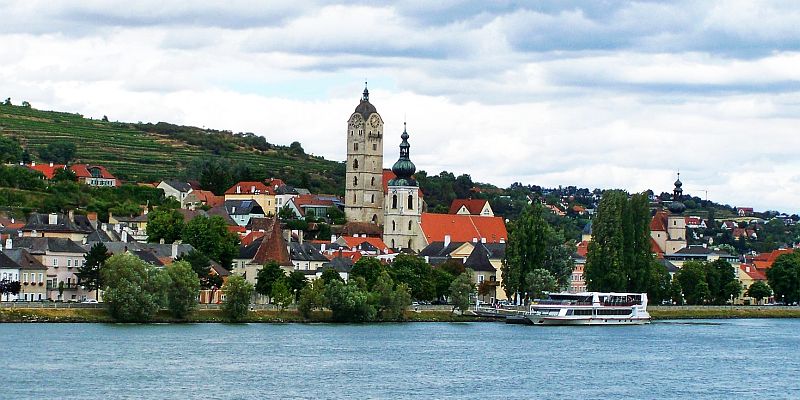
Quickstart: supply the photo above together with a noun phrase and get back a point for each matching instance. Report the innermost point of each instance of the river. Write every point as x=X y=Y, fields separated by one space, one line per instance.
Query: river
x=725 y=359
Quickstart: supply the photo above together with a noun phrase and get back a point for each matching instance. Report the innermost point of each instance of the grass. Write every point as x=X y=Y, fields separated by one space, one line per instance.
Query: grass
x=723 y=312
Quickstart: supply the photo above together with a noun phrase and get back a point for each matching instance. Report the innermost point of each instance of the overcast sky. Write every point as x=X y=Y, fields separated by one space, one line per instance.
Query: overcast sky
x=588 y=93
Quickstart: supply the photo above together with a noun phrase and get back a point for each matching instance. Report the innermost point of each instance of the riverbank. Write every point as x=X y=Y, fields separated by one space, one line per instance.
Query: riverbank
x=722 y=312
x=99 y=315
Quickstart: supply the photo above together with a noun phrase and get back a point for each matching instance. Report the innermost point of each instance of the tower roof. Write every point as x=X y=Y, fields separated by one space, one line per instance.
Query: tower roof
x=365 y=108
x=404 y=168
x=676 y=207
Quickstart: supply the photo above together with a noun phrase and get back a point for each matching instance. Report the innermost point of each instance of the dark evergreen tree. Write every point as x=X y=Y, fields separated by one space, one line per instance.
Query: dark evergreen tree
x=89 y=273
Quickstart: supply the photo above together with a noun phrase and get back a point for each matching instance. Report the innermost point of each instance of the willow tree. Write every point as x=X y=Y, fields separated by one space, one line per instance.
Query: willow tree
x=534 y=244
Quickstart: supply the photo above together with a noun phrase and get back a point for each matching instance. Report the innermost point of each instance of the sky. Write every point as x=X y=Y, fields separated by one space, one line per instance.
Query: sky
x=597 y=94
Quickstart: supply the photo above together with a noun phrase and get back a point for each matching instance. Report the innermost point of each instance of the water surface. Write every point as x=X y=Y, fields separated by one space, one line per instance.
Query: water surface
x=731 y=359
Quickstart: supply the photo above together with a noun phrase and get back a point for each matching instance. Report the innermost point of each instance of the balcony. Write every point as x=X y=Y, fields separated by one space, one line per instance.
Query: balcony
x=67 y=286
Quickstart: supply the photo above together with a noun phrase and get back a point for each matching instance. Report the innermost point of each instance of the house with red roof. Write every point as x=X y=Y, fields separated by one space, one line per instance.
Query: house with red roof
x=364 y=245
x=764 y=261
x=94 y=175
x=744 y=211
x=462 y=228
x=48 y=170
x=246 y=190
x=668 y=232
x=476 y=207
x=199 y=198
x=747 y=274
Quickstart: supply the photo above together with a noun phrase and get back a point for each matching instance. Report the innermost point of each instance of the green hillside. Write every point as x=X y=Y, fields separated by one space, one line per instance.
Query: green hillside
x=150 y=152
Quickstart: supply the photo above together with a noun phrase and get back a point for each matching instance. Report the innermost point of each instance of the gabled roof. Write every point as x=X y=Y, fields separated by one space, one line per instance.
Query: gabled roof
x=339 y=264
x=478 y=260
x=220 y=211
x=753 y=272
x=147 y=257
x=671 y=268
x=376 y=244
x=582 y=249
x=247 y=187
x=7 y=263
x=305 y=252
x=205 y=196
x=83 y=171
x=41 y=223
x=40 y=245
x=463 y=228
x=765 y=260
x=179 y=185
x=272 y=247
x=438 y=249
x=473 y=206
x=659 y=221
x=24 y=259
x=243 y=207
x=48 y=170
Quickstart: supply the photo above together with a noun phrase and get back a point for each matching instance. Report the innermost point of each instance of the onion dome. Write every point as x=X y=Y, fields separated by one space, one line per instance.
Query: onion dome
x=365 y=108
x=676 y=207
x=404 y=168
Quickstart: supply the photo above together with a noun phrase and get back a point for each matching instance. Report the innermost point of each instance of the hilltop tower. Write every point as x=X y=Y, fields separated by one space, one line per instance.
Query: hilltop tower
x=403 y=205
x=364 y=171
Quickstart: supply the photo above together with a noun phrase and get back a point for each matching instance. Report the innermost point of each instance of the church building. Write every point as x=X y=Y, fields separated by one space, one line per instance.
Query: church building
x=364 y=197
x=402 y=227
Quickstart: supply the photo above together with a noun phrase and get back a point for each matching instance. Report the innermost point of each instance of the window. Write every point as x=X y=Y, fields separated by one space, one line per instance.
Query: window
x=394 y=201
x=55 y=262
x=24 y=277
x=372 y=199
x=409 y=225
x=355 y=164
x=480 y=278
x=69 y=262
x=372 y=181
x=410 y=202
x=355 y=181
x=355 y=146
x=374 y=146
x=394 y=226
x=41 y=277
x=409 y=243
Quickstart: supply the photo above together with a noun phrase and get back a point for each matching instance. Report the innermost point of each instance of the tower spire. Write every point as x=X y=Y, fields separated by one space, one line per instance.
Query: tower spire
x=365 y=95
x=404 y=168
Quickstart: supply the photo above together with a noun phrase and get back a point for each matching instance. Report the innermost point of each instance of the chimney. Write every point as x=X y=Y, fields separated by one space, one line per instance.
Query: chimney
x=124 y=237
x=9 y=244
x=446 y=241
x=12 y=220
x=71 y=215
x=161 y=241
x=502 y=240
x=104 y=226
x=233 y=210
x=52 y=219
x=474 y=240
x=51 y=165
x=427 y=259
x=483 y=240
x=252 y=189
x=92 y=216
x=33 y=163
x=174 y=251
x=322 y=248
x=333 y=238
x=238 y=189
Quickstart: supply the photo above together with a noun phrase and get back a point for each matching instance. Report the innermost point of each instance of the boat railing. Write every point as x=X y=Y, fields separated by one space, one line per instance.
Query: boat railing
x=563 y=302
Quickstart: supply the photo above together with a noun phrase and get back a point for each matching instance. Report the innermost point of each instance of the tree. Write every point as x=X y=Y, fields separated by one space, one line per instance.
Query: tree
x=461 y=289
x=182 y=294
x=164 y=224
x=784 y=277
x=297 y=282
x=330 y=275
x=296 y=148
x=722 y=282
x=312 y=297
x=286 y=213
x=270 y=273
x=215 y=175
x=660 y=284
x=676 y=292
x=620 y=258
x=65 y=175
x=9 y=288
x=348 y=302
x=534 y=244
x=390 y=301
x=134 y=290
x=758 y=290
x=540 y=281
x=201 y=266
x=10 y=150
x=212 y=237
x=692 y=278
x=416 y=273
x=237 y=298
x=280 y=294
x=369 y=268
x=59 y=152
x=441 y=282
x=89 y=273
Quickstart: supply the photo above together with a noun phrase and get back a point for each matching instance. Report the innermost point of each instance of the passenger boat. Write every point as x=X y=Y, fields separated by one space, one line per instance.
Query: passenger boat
x=589 y=308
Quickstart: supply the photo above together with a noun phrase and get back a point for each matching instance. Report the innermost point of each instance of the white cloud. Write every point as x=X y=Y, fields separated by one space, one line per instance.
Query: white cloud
x=579 y=94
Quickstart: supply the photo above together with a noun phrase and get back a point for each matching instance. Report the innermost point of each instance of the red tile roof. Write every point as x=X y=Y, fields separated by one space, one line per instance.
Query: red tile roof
x=463 y=228
x=209 y=198
x=655 y=249
x=753 y=272
x=583 y=248
x=48 y=170
x=764 y=261
x=353 y=242
x=273 y=247
x=474 y=206
x=250 y=188
x=659 y=221
x=251 y=237
x=82 y=171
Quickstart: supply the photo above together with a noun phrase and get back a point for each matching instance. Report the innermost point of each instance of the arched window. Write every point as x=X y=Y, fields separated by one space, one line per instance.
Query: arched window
x=374 y=218
x=410 y=202
x=394 y=226
x=354 y=197
x=355 y=164
x=355 y=181
x=355 y=146
x=372 y=181
x=372 y=199
x=409 y=243
x=392 y=243
x=394 y=201
x=409 y=225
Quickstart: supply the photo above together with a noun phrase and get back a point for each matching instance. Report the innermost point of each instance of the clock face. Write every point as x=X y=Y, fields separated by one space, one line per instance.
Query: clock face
x=374 y=121
x=356 y=121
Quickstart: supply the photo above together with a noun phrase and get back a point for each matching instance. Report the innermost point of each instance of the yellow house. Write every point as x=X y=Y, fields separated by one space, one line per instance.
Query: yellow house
x=486 y=262
x=258 y=191
x=747 y=274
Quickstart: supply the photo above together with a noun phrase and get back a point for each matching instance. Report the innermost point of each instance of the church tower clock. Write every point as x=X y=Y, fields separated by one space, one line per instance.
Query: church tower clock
x=364 y=172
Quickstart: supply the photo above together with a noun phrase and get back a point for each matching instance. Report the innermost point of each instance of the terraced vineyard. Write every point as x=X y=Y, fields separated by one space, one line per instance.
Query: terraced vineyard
x=134 y=154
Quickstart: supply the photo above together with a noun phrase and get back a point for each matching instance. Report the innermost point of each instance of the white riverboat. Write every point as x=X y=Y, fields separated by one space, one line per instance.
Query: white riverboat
x=589 y=308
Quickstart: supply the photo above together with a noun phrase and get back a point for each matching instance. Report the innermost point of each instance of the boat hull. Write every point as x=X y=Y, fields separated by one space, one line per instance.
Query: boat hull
x=540 y=320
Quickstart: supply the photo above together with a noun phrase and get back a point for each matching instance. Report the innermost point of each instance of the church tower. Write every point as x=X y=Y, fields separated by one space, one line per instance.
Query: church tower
x=676 y=222
x=403 y=205
x=363 y=198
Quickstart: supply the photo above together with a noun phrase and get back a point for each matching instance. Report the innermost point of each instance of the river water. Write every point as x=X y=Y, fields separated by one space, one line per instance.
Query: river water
x=730 y=359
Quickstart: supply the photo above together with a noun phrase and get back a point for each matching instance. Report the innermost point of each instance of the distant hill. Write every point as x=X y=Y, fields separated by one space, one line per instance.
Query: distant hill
x=150 y=152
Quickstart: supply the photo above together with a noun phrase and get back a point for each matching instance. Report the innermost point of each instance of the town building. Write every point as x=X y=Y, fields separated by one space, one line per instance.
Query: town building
x=258 y=191
x=477 y=207
x=176 y=189
x=402 y=228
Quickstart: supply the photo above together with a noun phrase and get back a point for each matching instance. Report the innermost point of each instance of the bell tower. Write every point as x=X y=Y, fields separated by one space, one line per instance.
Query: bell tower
x=402 y=229
x=364 y=170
